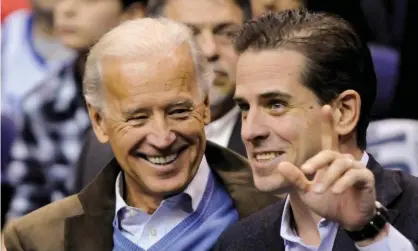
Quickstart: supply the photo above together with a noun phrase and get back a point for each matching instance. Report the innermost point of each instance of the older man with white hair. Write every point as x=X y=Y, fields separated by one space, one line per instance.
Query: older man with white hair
x=146 y=85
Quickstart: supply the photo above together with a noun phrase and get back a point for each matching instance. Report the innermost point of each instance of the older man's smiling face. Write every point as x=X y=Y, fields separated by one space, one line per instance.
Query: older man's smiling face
x=154 y=119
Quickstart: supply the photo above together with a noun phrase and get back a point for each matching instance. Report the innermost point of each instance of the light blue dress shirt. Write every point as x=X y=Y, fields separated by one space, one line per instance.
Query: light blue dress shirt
x=145 y=230
x=395 y=241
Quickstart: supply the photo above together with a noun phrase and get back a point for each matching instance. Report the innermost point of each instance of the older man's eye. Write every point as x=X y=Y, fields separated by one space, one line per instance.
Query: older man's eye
x=138 y=118
x=180 y=113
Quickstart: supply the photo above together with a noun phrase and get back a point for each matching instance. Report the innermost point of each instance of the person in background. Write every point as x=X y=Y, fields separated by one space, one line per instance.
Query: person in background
x=213 y=23
x=305 y=87
x=260 y=7
x=55 y=116
x=31 y=53
x=167 y=187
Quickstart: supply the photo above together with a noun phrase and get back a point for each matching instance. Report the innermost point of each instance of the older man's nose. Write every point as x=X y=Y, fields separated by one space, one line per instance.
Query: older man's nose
x=161 y=136
x=162 y=140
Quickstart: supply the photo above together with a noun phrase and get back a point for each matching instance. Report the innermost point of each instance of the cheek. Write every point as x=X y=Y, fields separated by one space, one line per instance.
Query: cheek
x=102 y=23
x=289 y=127
x=229 y=57
x=191 y=130
x=124 y=139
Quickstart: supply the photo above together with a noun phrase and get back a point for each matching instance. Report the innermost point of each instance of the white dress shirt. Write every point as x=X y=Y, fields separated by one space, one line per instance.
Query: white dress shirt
x=395 y=241
x=145 y=230
x=220 y=130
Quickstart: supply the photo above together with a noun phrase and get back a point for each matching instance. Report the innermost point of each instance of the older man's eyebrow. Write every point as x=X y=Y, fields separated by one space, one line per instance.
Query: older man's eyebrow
x=130 y=112
x=181 y=103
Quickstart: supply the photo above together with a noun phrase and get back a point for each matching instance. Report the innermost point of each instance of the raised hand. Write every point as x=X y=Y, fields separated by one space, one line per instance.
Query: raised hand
x=342 y=190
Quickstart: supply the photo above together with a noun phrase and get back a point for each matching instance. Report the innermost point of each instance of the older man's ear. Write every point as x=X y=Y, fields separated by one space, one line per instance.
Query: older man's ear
x=134 y=11
x=206 y=115
x=98 y=123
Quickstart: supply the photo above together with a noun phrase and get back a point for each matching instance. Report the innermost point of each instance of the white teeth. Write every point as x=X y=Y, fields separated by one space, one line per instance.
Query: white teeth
x=161 y=160
x=266 y=156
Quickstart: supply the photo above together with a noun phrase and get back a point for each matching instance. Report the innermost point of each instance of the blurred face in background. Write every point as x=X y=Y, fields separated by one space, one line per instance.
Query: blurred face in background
x=44 y=7
x=213 y=23
x=80 y=23
x=261 y=6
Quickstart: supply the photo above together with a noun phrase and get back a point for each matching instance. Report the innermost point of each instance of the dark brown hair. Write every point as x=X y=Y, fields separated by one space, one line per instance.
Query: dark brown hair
x=336 y=58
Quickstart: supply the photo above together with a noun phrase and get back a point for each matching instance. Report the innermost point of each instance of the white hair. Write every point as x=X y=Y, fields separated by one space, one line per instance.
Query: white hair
x=135 y=39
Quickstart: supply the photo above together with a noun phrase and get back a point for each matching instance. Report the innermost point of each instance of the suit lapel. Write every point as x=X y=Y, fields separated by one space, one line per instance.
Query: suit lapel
x=343 y=242
x=273 y=232
x=90 y=232
x=279 y=242
x=387 y=190
x=93 y=230
x=235 y=141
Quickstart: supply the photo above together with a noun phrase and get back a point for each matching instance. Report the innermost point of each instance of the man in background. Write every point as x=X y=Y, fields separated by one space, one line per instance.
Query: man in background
x=30 y=54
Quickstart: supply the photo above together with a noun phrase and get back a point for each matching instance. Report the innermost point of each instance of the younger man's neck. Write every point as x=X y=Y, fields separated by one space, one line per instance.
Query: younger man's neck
x=304 y=221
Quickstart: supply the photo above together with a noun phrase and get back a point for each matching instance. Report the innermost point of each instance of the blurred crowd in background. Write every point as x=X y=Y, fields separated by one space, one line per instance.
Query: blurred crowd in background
x=41 y=141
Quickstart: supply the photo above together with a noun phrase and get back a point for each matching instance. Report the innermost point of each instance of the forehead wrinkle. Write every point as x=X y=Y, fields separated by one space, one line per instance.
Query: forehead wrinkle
x=139 y=72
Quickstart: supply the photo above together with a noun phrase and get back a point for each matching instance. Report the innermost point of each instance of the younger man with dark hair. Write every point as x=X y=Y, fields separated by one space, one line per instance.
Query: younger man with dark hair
x=305 y=88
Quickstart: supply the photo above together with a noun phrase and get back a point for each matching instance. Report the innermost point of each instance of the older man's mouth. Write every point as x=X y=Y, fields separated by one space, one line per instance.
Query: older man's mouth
x=162 y=159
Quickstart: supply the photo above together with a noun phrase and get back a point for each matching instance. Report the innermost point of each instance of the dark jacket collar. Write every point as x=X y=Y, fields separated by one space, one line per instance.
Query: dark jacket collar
x=93 y=230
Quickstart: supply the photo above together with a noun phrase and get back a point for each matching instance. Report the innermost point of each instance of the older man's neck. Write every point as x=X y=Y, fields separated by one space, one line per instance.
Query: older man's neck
x=134 y=197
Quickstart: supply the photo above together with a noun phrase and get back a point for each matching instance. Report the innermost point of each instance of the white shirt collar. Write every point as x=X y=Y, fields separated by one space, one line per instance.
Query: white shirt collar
x=220 y=130
x=195 y=189
x=286 y=232
x=219 y=124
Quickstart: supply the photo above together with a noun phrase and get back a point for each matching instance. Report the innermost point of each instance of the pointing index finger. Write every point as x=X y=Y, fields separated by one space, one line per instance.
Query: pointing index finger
x=329 y=137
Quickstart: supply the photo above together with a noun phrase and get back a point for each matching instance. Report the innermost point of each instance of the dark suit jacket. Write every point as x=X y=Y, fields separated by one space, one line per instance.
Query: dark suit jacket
x=95 y=155
x=84 y=221
x=395 y=190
